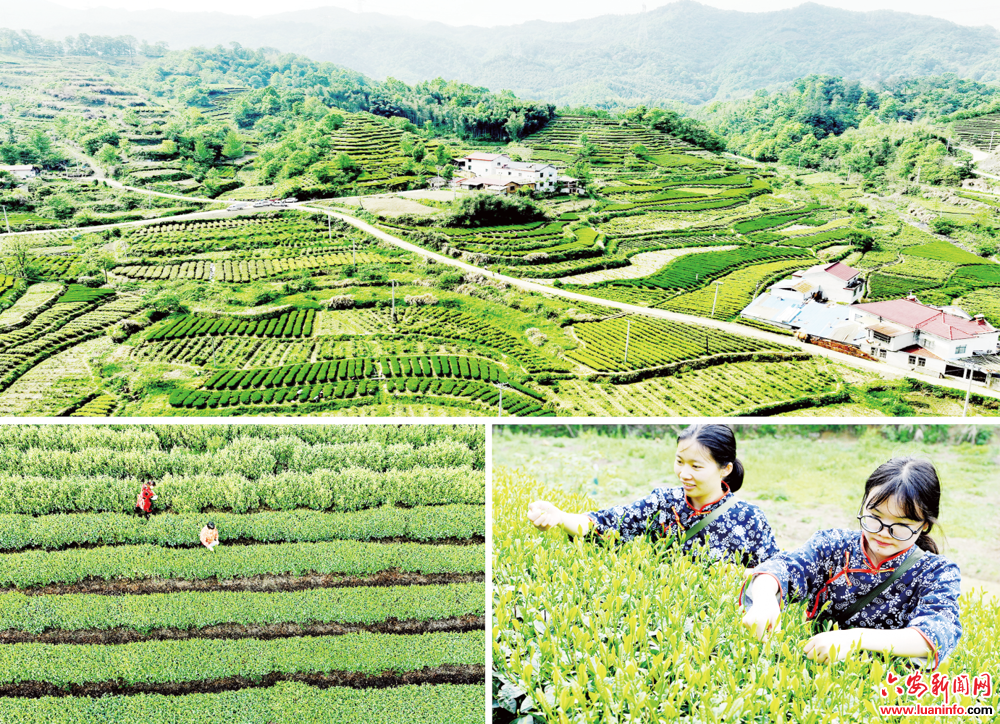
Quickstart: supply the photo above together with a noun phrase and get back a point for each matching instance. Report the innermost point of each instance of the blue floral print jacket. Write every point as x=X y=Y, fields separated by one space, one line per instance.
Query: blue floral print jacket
x=834 y=567
x=741 y=533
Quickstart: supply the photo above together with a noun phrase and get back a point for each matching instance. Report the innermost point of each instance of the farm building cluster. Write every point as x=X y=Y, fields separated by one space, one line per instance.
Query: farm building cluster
x=498 y=173
x=820 y=304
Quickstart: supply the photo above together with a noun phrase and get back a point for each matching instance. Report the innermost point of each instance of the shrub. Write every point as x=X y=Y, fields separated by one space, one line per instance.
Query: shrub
x=421 y=300
x=637 y=629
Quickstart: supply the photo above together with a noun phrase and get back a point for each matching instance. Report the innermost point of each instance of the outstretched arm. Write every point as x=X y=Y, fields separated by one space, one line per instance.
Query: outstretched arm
x=546 y=516
x=765 y=612
x=831 y=646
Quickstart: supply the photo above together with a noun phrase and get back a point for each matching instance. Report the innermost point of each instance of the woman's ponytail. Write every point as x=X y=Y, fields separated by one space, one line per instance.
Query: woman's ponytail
x=926 y=543
x=735 y=479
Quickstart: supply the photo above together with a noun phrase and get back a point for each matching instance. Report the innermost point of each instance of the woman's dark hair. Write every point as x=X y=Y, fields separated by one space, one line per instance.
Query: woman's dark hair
x=914 y=485
x=720 y=442
x=211 y=525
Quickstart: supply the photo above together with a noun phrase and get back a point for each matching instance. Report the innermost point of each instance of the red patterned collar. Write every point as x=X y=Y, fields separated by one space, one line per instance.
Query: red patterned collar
x=708 y=507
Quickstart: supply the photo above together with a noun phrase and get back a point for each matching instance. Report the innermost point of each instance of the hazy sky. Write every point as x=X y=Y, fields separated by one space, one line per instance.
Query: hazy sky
x=466 y=12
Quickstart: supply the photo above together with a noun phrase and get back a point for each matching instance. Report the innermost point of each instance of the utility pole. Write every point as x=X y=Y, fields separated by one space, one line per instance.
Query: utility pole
x=717 y=285
x=393 y=283
x=628 y=332
x=500 y=386
x=968 y=391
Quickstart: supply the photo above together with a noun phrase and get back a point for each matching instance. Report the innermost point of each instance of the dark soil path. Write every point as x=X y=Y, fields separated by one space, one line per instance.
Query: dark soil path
x=467 y=674
x=461 y=624
x=261 y=584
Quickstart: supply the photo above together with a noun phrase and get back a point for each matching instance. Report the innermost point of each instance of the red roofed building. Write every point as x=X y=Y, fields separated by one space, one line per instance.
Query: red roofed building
x=834 y=282
x=906 y=333
x=483 y=164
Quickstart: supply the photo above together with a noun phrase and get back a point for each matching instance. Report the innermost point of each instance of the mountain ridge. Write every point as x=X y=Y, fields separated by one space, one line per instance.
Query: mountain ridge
x=683 y=51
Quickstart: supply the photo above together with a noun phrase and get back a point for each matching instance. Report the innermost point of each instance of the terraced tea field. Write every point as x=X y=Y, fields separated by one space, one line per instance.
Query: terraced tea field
x=982 y=132
x=296 y=313
x=347 y=584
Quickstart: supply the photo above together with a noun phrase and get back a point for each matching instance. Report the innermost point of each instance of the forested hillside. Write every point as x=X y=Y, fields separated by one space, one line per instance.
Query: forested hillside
x=891 y=131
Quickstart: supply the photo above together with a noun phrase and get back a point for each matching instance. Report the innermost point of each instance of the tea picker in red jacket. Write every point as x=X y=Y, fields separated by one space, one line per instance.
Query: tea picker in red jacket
x=144 y=503
x=209 y=536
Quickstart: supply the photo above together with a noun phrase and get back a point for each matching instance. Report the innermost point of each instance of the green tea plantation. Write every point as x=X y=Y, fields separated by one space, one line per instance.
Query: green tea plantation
x=585 y=632
x=347 y=586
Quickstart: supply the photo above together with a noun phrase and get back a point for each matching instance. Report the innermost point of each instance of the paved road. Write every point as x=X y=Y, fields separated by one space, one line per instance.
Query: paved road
x=978 y=156
x=879 y=368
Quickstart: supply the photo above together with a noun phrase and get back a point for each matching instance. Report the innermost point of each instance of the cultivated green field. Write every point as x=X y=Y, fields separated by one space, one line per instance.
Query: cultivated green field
x=130 y=305
x=348 y=576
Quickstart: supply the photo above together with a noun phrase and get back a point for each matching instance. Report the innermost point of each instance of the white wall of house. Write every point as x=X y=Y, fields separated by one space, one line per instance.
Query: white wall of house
x=21 y=172
x=894 y=343
x=487 y=168
x=834 y=288
x=915 y=362
x=542 y=175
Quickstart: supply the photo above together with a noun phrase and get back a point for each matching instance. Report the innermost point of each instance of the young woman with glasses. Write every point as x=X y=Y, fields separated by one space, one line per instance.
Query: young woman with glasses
x=842 y=575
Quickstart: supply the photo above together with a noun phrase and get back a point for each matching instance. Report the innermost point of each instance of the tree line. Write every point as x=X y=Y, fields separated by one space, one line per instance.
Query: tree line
x=106 y=46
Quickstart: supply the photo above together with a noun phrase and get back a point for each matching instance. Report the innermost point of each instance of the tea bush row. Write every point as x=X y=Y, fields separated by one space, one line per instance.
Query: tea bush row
x=141 y=562
x=298 y=323
x=341 y=489
x=284 y=442
x=245 y=456
x=423 y=523
x=191 y=660
x=285 y=703
x=693 y=270
x=195 y=610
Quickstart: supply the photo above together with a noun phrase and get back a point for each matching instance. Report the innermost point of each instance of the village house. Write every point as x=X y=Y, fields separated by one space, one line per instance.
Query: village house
x=908 y=334
x=492 y=184
x=792 y=303
x=570 y=185
x=903 y=332
x=538 y=176
x=834 y=282
x=482 y=164
x=21 y=172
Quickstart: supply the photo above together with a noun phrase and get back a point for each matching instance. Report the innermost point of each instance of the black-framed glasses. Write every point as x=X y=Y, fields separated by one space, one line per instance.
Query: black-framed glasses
x=899 y=531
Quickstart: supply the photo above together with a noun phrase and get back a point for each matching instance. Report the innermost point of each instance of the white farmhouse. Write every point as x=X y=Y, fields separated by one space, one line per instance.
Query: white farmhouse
x=834 y=282
x=21 y=172
x=908 y=334
x=539 y=176
x=483 y=164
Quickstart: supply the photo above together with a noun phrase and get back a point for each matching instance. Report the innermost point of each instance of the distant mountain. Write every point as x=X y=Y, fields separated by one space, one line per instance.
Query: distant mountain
x=683 y=51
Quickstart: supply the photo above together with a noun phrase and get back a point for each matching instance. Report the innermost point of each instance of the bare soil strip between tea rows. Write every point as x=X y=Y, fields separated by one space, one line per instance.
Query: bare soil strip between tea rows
x=470 y=541
x=258 y=584
x=448 y=674
x=115 y=636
